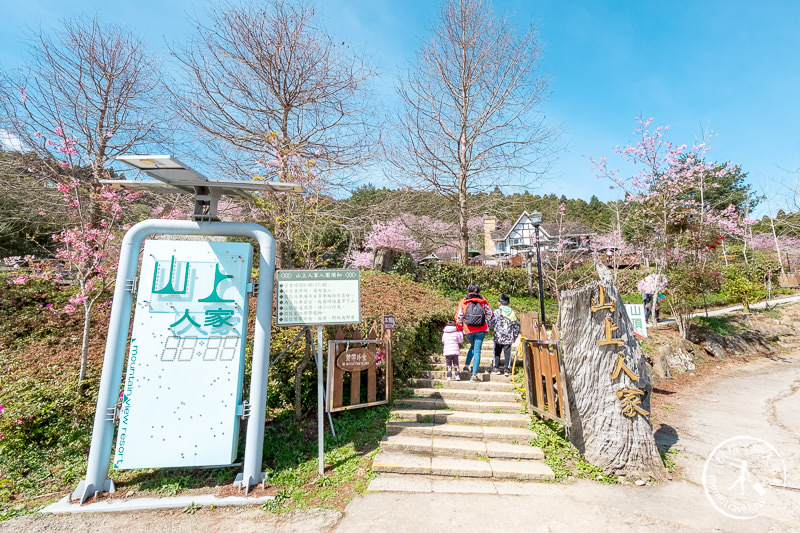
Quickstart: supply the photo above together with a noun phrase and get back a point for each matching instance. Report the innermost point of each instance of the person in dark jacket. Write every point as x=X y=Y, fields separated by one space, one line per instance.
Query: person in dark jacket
x=506 y=329
x=473 y=317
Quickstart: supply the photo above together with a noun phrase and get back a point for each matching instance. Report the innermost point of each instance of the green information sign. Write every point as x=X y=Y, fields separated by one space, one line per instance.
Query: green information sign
x=318 y=297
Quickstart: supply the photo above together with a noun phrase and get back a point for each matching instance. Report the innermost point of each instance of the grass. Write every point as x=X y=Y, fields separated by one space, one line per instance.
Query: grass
x=290 y=460
x=561 y=456
x=721 y=325
x=668 y=458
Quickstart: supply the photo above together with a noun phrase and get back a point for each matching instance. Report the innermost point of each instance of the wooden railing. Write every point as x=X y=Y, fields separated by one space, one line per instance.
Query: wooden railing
x=791 y=279
x=545 y=384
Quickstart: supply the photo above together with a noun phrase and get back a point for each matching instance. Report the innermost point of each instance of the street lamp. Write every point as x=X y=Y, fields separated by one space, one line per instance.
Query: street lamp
x=536 y=220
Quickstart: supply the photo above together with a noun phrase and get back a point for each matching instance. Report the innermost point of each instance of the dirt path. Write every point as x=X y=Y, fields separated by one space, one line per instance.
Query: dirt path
x=760 y=398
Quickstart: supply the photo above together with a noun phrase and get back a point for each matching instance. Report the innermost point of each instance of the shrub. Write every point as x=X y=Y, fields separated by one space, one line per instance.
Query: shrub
x=738 y=287
x=453 y=276
x=45 y=425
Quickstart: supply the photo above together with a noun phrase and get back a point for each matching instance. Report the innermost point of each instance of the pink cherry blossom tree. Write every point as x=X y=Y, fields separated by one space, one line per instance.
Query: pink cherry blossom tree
x=89 y=93
x=393 y=234
x=672 y=221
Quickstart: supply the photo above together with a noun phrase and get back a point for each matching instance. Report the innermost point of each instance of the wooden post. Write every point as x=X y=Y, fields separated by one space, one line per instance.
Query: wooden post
x=609 y=408
x=386 y=334
x=372 y=394
x=355 y=378
x=338 y=373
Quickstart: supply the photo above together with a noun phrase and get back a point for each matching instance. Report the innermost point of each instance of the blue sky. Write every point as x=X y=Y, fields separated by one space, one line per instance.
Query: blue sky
x=724 y=65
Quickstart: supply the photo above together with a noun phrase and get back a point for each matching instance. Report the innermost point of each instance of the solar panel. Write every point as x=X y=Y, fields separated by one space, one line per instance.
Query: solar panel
x=175 y=177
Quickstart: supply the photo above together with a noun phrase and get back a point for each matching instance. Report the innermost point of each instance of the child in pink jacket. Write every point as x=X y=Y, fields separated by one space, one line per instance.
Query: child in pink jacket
x=451 y=341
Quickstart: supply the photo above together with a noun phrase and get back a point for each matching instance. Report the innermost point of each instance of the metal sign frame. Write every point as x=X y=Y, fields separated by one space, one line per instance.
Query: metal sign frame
x=114 y=360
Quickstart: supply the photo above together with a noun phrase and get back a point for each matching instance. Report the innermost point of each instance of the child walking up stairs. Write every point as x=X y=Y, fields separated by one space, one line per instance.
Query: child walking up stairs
x=459 y=429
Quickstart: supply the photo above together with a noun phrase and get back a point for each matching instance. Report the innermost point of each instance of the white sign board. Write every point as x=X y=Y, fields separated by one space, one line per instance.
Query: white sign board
x=636 y=314
x=186 y=363
x=318 y=297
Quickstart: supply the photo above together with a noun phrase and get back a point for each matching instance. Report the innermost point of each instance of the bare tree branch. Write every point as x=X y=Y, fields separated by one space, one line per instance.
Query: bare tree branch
x=469 y=120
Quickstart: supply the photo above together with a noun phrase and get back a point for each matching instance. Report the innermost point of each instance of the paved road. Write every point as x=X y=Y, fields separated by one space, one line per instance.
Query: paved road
x=735 y=308
x=759 y=399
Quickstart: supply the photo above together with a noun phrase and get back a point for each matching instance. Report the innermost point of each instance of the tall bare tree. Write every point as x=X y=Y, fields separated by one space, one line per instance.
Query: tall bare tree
x=272 y=92
x=90 y=92
x=91 y=89
x=469 y=119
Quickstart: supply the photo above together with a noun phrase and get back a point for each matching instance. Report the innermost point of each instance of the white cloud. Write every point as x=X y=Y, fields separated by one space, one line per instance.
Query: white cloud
x=9 y=141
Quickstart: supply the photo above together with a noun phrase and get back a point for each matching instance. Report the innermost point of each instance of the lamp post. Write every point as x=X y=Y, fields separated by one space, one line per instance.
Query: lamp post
x=536 y=220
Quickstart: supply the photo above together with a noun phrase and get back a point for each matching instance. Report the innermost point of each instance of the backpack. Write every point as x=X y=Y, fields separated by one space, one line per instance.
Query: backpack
x=474 y=315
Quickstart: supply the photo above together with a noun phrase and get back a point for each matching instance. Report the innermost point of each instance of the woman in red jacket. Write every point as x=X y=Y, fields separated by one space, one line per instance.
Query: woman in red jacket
x=473 y=317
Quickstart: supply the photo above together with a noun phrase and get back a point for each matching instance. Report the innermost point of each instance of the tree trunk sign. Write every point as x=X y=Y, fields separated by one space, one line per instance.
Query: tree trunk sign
x=607 y=382
x=355 y=360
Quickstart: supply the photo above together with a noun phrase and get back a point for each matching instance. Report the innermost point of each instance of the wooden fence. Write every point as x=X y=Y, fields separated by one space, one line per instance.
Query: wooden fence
x=791 y=279
x=350 y=360
x=545 y=383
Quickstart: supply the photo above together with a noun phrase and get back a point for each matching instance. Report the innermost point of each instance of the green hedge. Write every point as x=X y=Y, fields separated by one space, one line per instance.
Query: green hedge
x=452 y=276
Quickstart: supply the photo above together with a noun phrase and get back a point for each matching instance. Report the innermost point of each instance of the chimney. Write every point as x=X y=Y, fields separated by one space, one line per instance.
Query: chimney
x=489 y=225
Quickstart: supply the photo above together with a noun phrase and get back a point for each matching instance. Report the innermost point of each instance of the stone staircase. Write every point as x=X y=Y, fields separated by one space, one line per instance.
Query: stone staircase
x=458 y=429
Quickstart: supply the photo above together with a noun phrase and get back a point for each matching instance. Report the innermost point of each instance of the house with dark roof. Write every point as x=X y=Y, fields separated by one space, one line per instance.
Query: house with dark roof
x=514 y=239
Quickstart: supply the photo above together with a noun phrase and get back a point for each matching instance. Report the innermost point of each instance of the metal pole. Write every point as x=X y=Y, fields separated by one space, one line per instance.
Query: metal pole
x=539 y=269
x=320 y=407
x=529 y=260
x=788 y=266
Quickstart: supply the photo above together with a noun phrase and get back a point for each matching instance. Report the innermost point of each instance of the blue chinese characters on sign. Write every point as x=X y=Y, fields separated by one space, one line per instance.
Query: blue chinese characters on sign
x=183 y=385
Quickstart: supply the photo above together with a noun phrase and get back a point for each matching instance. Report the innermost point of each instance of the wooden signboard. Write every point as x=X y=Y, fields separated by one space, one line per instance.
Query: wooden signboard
x=349 y=362
x=355 y=360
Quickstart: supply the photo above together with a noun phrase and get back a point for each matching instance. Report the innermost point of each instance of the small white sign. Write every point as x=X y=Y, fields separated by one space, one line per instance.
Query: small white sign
x=318 y=297
x=185 y=368
x=636 y=314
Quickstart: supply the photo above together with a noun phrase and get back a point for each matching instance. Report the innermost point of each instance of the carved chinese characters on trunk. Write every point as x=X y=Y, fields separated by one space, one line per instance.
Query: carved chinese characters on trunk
x=629 y=396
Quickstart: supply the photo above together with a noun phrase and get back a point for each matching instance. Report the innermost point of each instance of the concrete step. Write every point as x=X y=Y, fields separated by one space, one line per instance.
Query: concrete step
x=445 y=416
x=461 y=405
x=484 y=376
x=496 y=386
x=486 y=355
x=416 y=483
x=513 y=435
x=409 y=463
x=466 y=394
x=459 y=447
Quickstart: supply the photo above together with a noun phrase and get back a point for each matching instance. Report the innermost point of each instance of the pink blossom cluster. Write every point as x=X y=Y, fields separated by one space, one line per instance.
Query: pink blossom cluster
x=394 y=234
x=652 y=284
x=766 y=242
x=391 y=234
x=667 y=174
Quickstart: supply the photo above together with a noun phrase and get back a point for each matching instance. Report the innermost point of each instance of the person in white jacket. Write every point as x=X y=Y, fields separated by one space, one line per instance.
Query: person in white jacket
x=451 y=348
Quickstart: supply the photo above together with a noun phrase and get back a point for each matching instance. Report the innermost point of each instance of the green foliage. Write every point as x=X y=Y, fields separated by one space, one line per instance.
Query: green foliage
x=668 y=458
x=738 y=286
x=23 y=306
x=721 y=325
x=689 y=285
x=452 y=276
x=406 y=266
x=45 y=425
x=561 y=456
